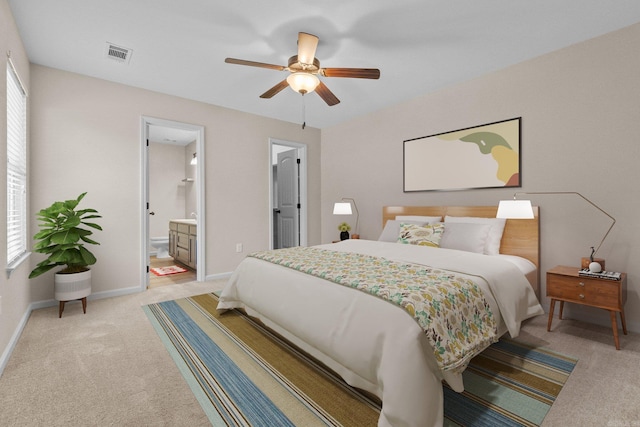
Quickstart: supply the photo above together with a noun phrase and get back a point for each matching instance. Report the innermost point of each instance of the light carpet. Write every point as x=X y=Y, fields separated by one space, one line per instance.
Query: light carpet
x=242 y=374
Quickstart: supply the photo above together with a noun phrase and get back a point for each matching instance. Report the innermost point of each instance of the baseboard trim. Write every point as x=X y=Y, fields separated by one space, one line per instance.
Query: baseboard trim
x=219 y=276
x=4 y=359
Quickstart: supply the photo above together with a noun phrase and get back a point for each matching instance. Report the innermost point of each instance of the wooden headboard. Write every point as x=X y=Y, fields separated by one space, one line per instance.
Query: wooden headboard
x=521 y=237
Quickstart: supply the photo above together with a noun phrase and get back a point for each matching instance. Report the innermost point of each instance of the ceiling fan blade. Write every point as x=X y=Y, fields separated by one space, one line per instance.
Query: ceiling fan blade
x=274 y=90
x=328 y=96
x=355 y=73
x=254 y=64
x=307 y=44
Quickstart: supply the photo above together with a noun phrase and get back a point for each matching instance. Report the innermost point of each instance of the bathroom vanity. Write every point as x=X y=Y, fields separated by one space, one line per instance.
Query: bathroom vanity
x=182 y=241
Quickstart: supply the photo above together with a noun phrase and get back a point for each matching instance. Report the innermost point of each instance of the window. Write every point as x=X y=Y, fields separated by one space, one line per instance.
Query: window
x=16 y=168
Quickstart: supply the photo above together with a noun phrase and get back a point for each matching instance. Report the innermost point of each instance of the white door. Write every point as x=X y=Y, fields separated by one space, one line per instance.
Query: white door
x=288 y=209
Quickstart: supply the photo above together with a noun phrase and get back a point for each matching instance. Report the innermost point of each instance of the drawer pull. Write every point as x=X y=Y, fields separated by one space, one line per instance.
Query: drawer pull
x=581 y=296
x=581 y=284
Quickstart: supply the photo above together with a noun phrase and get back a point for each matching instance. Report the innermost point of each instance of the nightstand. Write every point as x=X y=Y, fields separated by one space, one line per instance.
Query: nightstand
x=565 y=285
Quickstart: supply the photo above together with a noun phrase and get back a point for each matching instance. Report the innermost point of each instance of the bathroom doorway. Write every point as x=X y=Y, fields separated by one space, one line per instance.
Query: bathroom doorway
x=288 y=194
x=173 y=164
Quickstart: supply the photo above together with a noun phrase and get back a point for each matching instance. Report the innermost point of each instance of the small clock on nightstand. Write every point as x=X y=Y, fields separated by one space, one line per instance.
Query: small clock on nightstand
x=565 y=284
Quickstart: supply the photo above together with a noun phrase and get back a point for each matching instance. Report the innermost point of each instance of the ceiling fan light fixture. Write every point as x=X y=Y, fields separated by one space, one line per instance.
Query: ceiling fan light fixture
x=303 y=82
x=304 y=69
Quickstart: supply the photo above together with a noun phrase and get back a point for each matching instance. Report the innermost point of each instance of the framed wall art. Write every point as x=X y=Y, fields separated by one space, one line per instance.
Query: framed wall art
x=485 y=156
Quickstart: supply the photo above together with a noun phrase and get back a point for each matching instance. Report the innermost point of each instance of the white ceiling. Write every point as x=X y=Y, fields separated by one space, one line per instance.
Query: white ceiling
x=420 y=46
x=172 y=136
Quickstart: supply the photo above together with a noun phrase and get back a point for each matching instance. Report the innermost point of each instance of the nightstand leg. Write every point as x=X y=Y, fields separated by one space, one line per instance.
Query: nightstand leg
x=624 y=324
x=551 y=308
x=614 y=326
x=561 y=309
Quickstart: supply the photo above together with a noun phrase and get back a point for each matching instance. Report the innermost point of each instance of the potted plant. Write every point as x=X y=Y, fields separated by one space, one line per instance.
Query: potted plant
x=344 y=230
x=62 y=236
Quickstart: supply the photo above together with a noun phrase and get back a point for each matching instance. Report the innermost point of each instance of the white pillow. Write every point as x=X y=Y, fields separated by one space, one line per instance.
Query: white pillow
x=391 y=230
x=424 y=219
x=465 y=236
x=492 y=246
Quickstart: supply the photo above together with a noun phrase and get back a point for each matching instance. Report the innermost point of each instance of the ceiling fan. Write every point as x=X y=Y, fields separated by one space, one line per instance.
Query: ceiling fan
x=305 y=68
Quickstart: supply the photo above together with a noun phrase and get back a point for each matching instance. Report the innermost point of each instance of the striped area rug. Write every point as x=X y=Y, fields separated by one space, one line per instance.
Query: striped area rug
x=508 y=384
x=243 y=375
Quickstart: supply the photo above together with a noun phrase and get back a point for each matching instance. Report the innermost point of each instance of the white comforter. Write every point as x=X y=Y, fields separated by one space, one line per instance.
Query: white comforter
x=373 y=344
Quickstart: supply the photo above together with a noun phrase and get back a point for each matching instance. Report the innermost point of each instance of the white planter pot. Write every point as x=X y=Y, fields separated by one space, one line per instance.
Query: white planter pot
x=69 y=287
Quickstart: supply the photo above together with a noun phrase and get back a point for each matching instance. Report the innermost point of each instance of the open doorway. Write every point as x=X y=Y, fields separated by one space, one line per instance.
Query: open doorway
x=181 y=145
x=287 y=194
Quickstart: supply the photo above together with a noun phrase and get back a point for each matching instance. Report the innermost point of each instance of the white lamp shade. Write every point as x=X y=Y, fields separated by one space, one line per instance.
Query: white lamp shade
x=303 y=82
x=342 y=209
x=515 y=209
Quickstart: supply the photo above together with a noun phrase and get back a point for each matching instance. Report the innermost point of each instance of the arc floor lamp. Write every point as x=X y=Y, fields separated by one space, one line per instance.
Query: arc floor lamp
x=519 y=209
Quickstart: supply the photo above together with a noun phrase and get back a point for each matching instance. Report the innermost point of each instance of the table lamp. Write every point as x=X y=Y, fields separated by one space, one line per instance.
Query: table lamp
x=344 y=208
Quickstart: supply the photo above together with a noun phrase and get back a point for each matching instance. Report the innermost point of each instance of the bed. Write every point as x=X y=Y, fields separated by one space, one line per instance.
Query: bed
x=376 y=345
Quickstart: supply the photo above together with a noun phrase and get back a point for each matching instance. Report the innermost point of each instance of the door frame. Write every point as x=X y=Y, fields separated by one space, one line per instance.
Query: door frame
x=146 y=121
x=302 y=187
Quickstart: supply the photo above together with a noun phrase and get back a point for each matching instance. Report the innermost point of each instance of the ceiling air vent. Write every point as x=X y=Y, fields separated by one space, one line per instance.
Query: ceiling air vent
x=119 y=53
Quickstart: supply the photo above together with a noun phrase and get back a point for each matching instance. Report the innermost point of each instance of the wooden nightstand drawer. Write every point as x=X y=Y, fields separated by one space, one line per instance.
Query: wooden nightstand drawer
x=565 y=284
x=597 y=293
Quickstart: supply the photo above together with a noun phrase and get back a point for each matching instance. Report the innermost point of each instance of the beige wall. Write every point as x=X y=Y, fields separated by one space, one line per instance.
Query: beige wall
x=170 y=196
x=86 y=137
x=167 y=191
x=191 y=195
x=15 y=292
x=580 y=110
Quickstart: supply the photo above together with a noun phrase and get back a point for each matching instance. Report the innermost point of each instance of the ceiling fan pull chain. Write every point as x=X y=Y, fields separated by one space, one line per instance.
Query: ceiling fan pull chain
x=304 y=113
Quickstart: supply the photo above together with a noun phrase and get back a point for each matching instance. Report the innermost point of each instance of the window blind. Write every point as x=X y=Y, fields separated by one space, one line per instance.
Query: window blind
x=16 y=166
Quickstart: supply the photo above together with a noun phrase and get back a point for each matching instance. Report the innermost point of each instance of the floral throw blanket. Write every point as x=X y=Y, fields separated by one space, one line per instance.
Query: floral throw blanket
x=450 y=308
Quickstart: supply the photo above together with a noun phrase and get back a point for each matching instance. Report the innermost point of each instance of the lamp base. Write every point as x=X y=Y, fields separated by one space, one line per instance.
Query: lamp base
x=585 y=261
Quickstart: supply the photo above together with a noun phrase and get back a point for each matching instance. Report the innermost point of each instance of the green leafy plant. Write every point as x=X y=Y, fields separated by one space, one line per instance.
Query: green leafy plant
x=62 y=237
x=344 y=227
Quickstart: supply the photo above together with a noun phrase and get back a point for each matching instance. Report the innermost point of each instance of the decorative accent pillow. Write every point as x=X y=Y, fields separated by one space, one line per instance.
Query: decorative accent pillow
x=492 y=246
x=465 y=236
x=424 y=219
x=427 y=235
x=391 y=230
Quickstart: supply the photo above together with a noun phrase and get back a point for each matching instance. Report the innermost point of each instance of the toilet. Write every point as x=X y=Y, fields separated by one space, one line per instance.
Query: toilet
x=161 y=244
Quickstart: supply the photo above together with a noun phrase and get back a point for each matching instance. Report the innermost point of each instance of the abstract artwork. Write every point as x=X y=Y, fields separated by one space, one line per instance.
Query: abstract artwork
x=485 y=156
